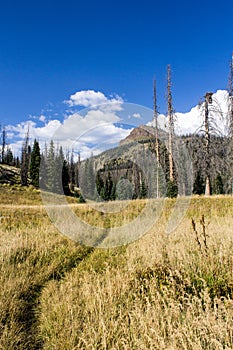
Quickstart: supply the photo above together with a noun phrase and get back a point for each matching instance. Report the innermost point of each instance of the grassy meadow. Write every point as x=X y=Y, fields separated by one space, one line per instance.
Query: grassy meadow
x=160 y=292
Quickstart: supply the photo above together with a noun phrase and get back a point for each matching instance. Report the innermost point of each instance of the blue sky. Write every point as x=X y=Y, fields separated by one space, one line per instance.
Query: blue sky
x=52 y=49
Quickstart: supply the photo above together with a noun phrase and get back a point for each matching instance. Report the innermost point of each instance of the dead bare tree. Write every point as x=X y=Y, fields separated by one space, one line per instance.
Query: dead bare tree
x=155 y=117
x=230 y=91
x=208 y=100
x=230 y=128
x=171 y=131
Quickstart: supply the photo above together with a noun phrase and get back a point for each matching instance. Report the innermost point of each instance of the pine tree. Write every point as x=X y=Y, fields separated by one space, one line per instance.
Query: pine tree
x=52 y=169
x=35 y=164
x=89 y=181
x=218 y=185
x=199 y=185
x=108 y=187
x=113 y=193
x=143 y=189
x=25 y=158
x=72 y=170
x=43 y=180
x=9 y=158
x=65 y=178
x=3 y=144
x=99 y=183
x=124 y=189
x=17 y=162
x=172 y=189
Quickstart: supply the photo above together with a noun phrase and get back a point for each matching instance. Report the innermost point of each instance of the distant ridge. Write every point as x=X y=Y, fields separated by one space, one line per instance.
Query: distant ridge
x=140 y=133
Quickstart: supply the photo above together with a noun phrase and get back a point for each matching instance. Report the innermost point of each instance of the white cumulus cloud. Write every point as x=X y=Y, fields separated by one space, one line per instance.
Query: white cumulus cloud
x=91 y=98
x=91 y=130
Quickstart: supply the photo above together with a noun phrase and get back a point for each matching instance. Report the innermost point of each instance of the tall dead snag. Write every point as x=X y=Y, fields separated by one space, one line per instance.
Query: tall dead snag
x=208 y=100
x=171 y=132
x=230 y=127
x=155 y=117
x=230 y=91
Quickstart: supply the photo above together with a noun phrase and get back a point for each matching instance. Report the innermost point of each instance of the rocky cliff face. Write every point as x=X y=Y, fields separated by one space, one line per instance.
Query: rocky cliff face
x=9 y=175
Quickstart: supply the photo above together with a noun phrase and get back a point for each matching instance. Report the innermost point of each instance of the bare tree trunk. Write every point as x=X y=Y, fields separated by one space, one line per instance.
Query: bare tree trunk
x=170 y=125
x=230 y=126
x=156 y=140
x=208 y=99
x=230 y=90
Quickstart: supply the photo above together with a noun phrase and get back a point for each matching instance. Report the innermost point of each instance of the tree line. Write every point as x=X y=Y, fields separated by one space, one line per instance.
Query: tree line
x=211 y=154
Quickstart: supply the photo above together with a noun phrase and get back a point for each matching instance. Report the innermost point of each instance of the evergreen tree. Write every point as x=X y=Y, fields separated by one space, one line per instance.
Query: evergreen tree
x=3 y=156
x=99 y=184
x=65 y=178
x=25 y=157
x=218 y=185
x=199 y=185
x=143 y=189
x=172 y=189
x=113 y=192
x=35 y=164
x=71 y=169
x=17 y=162
x=43 y=180
x=136 y=180
x=124 y=189
x=61 y=173
x=52 y=171
x=108 y=187
x=9 y=158
x=88 y=180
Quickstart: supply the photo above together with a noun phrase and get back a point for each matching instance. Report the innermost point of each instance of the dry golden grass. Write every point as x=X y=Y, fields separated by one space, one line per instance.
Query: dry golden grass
x=160 y=292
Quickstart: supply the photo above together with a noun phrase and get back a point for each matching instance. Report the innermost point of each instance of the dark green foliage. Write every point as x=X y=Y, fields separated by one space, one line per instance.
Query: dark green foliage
x=124 y=189
x=65 y=178
x=218 y=185
x=43 y=173
x=3 y=145
x=219 y=160
x=109 y=187
x=55 y=172
x=113 y=192
x=199 y=184
x=25 y=158
x=172 y=189
x=51 y=169
x=71 y=168
x=81 y=199
x=9 y=158
x=143 y=189
x=87 y=179
x=99 y=183
x=35 y=164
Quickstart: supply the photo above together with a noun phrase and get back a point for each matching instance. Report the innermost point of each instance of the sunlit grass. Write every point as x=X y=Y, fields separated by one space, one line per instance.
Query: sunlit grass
x=159 y=292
